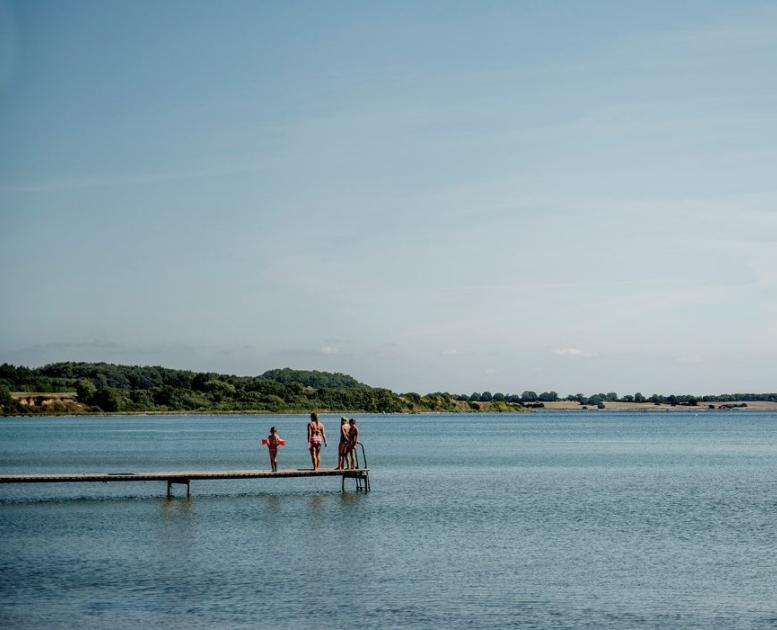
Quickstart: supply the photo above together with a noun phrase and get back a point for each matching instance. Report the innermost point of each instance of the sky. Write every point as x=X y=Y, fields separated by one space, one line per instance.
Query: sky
x=429 y=196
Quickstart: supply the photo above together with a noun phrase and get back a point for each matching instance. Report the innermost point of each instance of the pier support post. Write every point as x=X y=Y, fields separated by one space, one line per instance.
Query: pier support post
x=186 y=482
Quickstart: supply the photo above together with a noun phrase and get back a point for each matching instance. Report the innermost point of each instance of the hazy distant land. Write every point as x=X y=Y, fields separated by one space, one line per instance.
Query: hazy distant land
x=94 y=388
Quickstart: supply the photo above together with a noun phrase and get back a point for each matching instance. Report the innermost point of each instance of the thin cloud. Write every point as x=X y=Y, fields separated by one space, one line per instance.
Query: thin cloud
x=81 y=183
x=572 y=352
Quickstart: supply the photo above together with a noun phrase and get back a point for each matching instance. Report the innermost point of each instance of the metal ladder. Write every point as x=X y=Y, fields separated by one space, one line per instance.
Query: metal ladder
x=363 y=478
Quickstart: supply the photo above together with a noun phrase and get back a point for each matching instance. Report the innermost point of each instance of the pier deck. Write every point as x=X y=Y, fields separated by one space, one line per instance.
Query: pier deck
x=361 y=475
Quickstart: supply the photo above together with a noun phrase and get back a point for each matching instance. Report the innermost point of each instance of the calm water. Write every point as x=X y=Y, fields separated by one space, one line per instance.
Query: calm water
x=598 y=520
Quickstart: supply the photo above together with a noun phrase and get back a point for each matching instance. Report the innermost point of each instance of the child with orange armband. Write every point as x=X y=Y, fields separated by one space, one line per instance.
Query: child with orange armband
x=273 y=441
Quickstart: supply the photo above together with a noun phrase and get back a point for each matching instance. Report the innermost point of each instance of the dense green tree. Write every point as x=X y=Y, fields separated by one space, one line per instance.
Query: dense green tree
x=7 y=403
x=85 y=390
x=529 y=396
x=108 y=399
x=219 y=390
x=313 y=378
x=8 y=372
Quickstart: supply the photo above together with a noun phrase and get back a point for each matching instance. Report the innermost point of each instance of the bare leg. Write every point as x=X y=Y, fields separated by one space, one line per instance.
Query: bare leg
x=316 y=457
x=313 y=456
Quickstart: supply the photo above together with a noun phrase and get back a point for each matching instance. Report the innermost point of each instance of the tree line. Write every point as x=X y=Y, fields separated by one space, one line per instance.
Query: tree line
x=107 y=387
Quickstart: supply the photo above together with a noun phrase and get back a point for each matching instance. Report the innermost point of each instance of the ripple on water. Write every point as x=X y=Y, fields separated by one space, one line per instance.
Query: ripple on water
x=547 y=521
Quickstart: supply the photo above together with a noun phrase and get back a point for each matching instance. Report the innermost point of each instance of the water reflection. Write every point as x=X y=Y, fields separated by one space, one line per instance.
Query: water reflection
x=274 y=503
x=351 y=499
x=174 y=506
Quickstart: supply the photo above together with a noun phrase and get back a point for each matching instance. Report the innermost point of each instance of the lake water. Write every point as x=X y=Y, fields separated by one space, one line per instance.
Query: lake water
x=546 y=520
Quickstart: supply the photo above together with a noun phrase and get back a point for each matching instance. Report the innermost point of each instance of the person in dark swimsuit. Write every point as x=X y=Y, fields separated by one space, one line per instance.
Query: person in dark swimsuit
x=343 y=446
x=353 y=439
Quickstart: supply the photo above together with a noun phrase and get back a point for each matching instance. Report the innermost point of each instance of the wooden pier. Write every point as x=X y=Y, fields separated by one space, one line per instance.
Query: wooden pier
x=361 y=475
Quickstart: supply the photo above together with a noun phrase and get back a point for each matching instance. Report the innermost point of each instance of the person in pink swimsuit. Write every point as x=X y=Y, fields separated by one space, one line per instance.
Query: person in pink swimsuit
x=316 y=437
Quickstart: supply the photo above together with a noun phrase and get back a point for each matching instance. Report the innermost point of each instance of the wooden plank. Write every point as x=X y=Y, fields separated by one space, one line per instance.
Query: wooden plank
x=180 y=475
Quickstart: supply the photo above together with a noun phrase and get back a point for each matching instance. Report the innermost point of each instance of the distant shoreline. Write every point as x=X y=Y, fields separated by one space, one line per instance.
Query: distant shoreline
x=567 y=407
x=751 y=405
x=106 y=389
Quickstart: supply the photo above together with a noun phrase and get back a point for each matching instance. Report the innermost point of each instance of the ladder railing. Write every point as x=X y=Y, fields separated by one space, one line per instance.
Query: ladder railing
x=363 y=476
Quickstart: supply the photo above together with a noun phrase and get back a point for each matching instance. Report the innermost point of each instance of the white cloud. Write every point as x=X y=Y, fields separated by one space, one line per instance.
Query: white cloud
x=572 y=352
x=329 y=350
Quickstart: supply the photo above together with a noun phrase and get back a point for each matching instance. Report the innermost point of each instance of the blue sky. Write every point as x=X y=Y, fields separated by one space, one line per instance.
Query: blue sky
x=429 y=196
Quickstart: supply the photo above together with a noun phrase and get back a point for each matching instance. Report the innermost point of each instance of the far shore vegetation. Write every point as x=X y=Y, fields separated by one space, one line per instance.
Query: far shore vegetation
x=84 y=388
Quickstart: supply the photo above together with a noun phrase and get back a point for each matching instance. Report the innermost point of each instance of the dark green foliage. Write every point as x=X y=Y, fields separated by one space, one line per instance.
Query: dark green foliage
x=85 y=390
x=313 y=378
x=108 y=399
x=7 y=403
x=110 y=388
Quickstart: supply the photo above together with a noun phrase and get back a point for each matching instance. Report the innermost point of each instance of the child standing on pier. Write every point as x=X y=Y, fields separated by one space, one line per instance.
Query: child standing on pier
x=353 y=440
x=273 y=441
